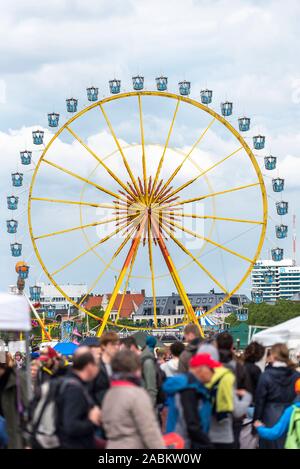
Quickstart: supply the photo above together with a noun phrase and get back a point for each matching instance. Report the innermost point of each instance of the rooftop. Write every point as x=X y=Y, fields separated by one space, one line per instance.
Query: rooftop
x=130 y=303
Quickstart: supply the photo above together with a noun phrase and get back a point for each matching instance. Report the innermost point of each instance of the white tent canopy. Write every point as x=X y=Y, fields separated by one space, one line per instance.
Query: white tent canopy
x=287 y=332
x=14 y=313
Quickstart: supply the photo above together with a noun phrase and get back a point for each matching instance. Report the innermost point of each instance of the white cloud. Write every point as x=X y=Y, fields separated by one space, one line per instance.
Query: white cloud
x=70 y=155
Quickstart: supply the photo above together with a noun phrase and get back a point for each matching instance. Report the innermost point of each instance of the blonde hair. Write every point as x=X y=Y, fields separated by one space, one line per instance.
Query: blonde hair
x=281 y=353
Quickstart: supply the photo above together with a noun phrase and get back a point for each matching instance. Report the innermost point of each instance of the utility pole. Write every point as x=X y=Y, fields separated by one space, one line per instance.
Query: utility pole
x=294 y=240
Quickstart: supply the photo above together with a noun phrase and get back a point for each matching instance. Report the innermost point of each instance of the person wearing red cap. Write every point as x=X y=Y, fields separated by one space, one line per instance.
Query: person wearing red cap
x=289 y=422
x=204 y=362
x=49 y=361
x=189 y=408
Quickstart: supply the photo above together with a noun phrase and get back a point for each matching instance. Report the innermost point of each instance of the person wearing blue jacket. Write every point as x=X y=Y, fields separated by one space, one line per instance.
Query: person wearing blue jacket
x=281 y=427
x=189 y=404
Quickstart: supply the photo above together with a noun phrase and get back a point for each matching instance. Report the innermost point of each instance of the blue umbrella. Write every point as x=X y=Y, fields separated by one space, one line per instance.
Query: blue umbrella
x=65 y=348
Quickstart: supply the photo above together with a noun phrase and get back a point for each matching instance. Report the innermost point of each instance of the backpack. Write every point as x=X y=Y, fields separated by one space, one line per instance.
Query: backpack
x=44 y=422
x=213 y=396
x=293 y=437
x=160 y=379
x=176 y=384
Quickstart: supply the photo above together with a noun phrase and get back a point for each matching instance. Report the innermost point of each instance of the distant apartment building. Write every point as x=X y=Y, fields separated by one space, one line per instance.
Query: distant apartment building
x=54 y=304
x=170 y=310
x=285 y=279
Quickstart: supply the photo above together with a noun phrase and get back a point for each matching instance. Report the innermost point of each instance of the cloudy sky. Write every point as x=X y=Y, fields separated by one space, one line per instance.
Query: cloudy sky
x=245 y=51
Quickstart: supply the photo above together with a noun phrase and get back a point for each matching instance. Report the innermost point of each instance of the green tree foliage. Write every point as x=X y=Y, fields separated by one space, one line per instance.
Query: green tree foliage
x=265 y=314
x=97 y=311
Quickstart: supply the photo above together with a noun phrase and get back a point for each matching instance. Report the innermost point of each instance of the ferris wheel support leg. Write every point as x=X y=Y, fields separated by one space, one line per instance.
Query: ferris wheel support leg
x=36 y=315
x=176 y=279
x=132 y=250
x=126 y=284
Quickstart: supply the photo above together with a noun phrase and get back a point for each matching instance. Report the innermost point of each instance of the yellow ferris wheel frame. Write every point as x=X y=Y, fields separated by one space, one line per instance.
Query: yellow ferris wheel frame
x=187 y=305
x=179 y=269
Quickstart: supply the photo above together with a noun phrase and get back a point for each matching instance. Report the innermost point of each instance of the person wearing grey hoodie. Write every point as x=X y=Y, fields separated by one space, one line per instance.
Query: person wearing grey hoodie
x=128 y=416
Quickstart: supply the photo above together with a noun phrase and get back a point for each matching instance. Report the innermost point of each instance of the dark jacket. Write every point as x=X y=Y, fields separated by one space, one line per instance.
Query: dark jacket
x=274 y=393
x=75 y=431
x=100 y=385
x=242 y=379
x=44 y=375
x=190 y=399
x=190 y=350
x=254 y=373
x=13 y=401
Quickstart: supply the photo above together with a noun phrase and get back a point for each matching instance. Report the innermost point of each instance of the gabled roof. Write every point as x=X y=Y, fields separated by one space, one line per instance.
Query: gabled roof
x=129 y=305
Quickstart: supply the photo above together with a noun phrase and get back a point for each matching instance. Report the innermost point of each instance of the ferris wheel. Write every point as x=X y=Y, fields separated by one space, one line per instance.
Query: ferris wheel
x=145 y=208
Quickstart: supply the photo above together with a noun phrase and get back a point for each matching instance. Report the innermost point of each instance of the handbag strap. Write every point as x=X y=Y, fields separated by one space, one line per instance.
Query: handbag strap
x=20 y=406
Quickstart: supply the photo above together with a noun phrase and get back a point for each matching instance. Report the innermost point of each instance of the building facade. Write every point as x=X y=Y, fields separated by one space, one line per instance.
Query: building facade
x=170 y=310
x=54 y=304
x=285 y=279
x=125 y=306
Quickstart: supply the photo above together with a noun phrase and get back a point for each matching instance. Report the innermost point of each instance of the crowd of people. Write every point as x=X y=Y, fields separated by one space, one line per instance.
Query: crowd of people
x=114 y=393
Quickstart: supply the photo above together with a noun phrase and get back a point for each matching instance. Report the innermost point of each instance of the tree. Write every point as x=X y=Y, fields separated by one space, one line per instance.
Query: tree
x=265 y=314
x=96 y=311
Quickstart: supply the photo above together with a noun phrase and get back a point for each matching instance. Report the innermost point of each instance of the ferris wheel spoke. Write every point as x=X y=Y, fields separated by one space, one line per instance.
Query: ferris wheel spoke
x=188 y=253
x=126 y=164
x=87 y=181
x=164 y=152
x=202 y=173
x=72 y=202
x=114 y=256
x=134 y=245
x=80 y=227
x=100 y=161
x=143 y=148
x=101 y=241
x=187 y=156
x=174 y=274
x=210 y=241
x=235 y=220
x=212 y=194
